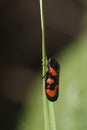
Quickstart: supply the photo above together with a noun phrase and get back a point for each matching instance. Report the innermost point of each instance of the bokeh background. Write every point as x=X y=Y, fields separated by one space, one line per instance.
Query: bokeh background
x=21 y=103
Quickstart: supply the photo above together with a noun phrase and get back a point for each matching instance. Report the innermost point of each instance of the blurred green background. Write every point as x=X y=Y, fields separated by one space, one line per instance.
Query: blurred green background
x=71 y=107
x=21 y=98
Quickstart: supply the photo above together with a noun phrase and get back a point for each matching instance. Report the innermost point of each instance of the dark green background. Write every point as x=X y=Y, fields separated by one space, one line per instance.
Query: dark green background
x=71 y=107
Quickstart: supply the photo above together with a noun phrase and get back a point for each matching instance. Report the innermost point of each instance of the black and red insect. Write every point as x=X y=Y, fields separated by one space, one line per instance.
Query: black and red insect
x=52 y=80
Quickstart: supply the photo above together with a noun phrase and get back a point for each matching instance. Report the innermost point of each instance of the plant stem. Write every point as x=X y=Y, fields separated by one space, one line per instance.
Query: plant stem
x=52 y=117
x=44 y=59
x=49 y=119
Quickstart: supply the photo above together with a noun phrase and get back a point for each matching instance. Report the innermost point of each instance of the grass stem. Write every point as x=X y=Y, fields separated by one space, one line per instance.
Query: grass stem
x=49 y=118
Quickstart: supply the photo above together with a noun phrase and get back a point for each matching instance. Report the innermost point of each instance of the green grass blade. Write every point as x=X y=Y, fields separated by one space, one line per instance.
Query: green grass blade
x=52 y=117
x=45 y=103
x=49 y=118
